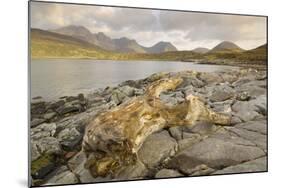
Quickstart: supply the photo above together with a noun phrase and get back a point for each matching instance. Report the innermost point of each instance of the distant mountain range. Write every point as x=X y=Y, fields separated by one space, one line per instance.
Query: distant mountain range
x=123 y=45
x=53 y=45
x=79 y=42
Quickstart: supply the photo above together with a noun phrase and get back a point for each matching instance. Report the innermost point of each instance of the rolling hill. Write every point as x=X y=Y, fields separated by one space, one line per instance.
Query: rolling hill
x=161 y=47
x=45 y=44
x=225 y=47
x=200 y=50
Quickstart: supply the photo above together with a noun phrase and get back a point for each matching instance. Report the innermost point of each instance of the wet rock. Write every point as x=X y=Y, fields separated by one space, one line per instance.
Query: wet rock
x=167 y=173
x=156 y=148
x=257 y=165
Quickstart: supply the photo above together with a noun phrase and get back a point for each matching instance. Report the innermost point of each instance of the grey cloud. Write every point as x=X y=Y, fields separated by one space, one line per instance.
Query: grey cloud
x=183 y=29
x=202 y=26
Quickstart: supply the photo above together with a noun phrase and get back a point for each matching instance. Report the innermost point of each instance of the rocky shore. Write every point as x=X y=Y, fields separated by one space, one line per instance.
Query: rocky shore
x=58 y=127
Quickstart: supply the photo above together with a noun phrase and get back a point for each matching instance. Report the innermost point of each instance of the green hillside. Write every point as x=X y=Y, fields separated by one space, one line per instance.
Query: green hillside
x=45 y=44
x=257 y=55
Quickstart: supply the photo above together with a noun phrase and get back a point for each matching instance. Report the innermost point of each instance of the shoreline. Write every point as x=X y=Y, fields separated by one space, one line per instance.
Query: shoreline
x=226 y=62
x=61 y=124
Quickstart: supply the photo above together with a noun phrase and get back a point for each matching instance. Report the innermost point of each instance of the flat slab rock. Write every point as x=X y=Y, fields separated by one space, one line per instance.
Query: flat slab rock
x=257 y=165
x=66 y=177
x=216 y=153
x=156 y=148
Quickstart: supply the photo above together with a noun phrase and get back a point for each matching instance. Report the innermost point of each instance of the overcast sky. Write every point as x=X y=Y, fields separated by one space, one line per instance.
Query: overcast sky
x=185 y=30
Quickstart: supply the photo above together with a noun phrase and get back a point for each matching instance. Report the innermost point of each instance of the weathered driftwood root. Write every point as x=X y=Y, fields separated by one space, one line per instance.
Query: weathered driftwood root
x=113 y=138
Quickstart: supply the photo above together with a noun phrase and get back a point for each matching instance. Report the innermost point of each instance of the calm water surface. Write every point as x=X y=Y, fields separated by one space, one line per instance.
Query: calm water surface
x=54 y=78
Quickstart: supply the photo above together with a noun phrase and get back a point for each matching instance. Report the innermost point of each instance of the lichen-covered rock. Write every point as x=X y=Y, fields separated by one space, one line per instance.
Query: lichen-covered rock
x=42 y=166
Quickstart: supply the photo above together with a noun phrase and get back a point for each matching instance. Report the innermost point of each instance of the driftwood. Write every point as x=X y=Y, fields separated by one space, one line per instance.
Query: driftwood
x=114 y=137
